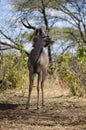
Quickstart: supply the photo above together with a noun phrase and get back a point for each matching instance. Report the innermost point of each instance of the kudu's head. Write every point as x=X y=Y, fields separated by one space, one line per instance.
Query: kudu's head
x=40 y=37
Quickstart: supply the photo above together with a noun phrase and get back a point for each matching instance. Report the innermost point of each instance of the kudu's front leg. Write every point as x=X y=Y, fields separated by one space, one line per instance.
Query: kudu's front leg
x=31 y=76
x=42 y=90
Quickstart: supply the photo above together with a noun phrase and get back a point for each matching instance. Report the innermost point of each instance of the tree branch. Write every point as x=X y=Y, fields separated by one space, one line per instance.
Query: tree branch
x=7 y=37
x=9 y=45
x=12 y=41
x=76 y=17
x=44 y=15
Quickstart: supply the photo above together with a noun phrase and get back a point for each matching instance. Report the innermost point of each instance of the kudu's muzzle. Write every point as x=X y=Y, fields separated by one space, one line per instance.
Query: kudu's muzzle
x=48 y=41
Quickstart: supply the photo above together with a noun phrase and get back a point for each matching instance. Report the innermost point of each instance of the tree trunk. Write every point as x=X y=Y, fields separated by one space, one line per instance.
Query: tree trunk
x=50 y=59
x=0 y=65
x=47 y=29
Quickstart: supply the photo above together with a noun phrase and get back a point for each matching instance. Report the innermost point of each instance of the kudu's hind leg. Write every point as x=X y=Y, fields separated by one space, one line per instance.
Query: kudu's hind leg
x=31 y=76
x=42 y=87
x=39 y=77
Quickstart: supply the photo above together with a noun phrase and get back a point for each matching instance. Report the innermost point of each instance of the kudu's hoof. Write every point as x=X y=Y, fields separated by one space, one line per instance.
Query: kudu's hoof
x=43 y=105
x=26 y=107
x=38 y=107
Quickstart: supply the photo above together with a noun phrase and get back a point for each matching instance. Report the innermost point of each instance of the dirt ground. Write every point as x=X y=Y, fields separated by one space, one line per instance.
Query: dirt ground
x=61 y=111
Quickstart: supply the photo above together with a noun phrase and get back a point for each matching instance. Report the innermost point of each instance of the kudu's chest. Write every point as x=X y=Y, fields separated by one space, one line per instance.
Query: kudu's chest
x=39 y=61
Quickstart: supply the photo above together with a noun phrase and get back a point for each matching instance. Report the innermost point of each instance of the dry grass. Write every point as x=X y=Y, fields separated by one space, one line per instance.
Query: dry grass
x=61 y=111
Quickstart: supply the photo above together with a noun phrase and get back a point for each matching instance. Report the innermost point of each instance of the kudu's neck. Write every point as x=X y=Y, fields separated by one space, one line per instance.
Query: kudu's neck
x=37 y=50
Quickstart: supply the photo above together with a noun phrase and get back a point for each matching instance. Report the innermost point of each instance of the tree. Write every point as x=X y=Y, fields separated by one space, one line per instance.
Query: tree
x=1 y=64
x=75 y=14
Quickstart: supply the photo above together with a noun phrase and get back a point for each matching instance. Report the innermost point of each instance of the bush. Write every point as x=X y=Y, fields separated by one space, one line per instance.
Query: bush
x=72 y=70
x=14 y=70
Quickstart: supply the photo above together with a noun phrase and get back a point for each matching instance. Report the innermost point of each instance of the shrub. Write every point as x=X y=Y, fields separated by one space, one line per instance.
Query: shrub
x=14 y=70
x=72 y=70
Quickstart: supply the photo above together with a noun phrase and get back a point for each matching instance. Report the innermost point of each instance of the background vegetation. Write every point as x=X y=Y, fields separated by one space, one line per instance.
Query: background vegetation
x=68 y=54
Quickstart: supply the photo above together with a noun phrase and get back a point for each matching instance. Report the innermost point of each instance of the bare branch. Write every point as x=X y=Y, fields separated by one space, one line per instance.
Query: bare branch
x=53 y=23
x=67 y=11
x=64 y=50
x=77 y=17
x=13 y=47
x=9 y=45
x=81 y=33
x=69 y=21
x=7 y=37
x=6 y=48
x=82 y=17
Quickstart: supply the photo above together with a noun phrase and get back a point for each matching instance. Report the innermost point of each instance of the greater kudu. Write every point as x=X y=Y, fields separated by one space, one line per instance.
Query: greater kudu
x=38 y=62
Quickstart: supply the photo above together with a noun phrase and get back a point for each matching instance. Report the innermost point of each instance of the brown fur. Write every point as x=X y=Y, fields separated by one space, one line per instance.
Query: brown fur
x=37 y=63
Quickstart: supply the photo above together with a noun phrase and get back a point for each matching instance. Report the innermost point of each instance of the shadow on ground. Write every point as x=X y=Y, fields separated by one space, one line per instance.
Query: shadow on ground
x=66 y=115
x=7 y=106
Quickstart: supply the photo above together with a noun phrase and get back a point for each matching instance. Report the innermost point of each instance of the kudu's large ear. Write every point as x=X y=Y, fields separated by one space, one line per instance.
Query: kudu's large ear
x=40 y=31
x=36 y=32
